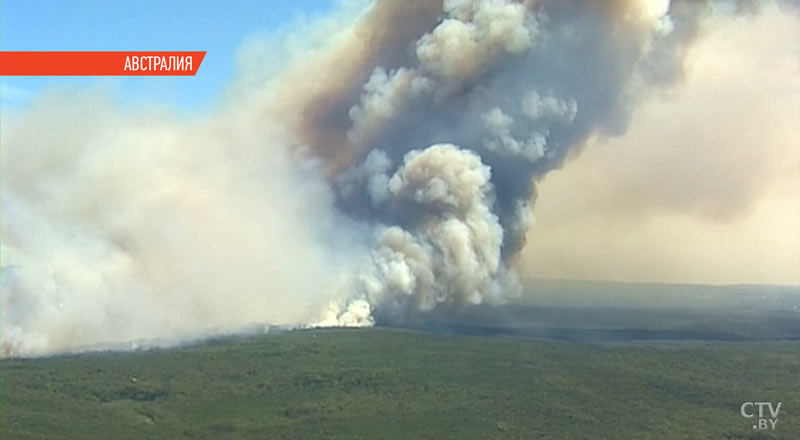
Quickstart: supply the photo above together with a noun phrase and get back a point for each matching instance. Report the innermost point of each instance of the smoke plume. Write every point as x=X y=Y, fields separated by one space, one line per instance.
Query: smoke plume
x=388 y=169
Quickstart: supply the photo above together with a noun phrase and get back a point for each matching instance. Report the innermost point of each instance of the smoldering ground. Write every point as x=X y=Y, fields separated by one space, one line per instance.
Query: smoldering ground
x=387 y=170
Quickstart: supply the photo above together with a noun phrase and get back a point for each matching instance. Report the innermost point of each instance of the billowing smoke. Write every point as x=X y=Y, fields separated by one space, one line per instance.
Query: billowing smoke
x=437 y=242
x=120 y=226
x=386 y=172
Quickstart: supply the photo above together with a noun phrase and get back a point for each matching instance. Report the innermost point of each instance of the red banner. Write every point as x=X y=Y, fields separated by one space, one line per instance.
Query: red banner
x=100 y=63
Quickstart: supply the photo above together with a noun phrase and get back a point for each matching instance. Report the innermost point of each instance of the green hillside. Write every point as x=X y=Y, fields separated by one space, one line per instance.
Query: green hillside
x=394 y=384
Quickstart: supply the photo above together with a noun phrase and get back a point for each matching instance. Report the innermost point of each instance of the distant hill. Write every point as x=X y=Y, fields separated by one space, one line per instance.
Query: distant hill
x=580 y=293
x=600 y=311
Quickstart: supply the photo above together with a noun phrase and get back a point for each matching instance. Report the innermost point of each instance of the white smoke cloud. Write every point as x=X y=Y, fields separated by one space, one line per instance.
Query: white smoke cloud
x=499 y=124
x=384 y=96
x=448 y=251
x=124 y=226
x=548 y=107
x=472 y=34
x=542 y=111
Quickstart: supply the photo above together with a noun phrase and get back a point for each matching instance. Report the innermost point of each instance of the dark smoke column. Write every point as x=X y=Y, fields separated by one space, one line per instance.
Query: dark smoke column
x=447 y=142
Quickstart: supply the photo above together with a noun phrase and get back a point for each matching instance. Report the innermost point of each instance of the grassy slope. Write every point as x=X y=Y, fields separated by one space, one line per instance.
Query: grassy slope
x=376 y=384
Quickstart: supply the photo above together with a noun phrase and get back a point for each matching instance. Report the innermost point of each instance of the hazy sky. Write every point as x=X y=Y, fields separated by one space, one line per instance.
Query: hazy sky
x=706 y=185
x=143 y=25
